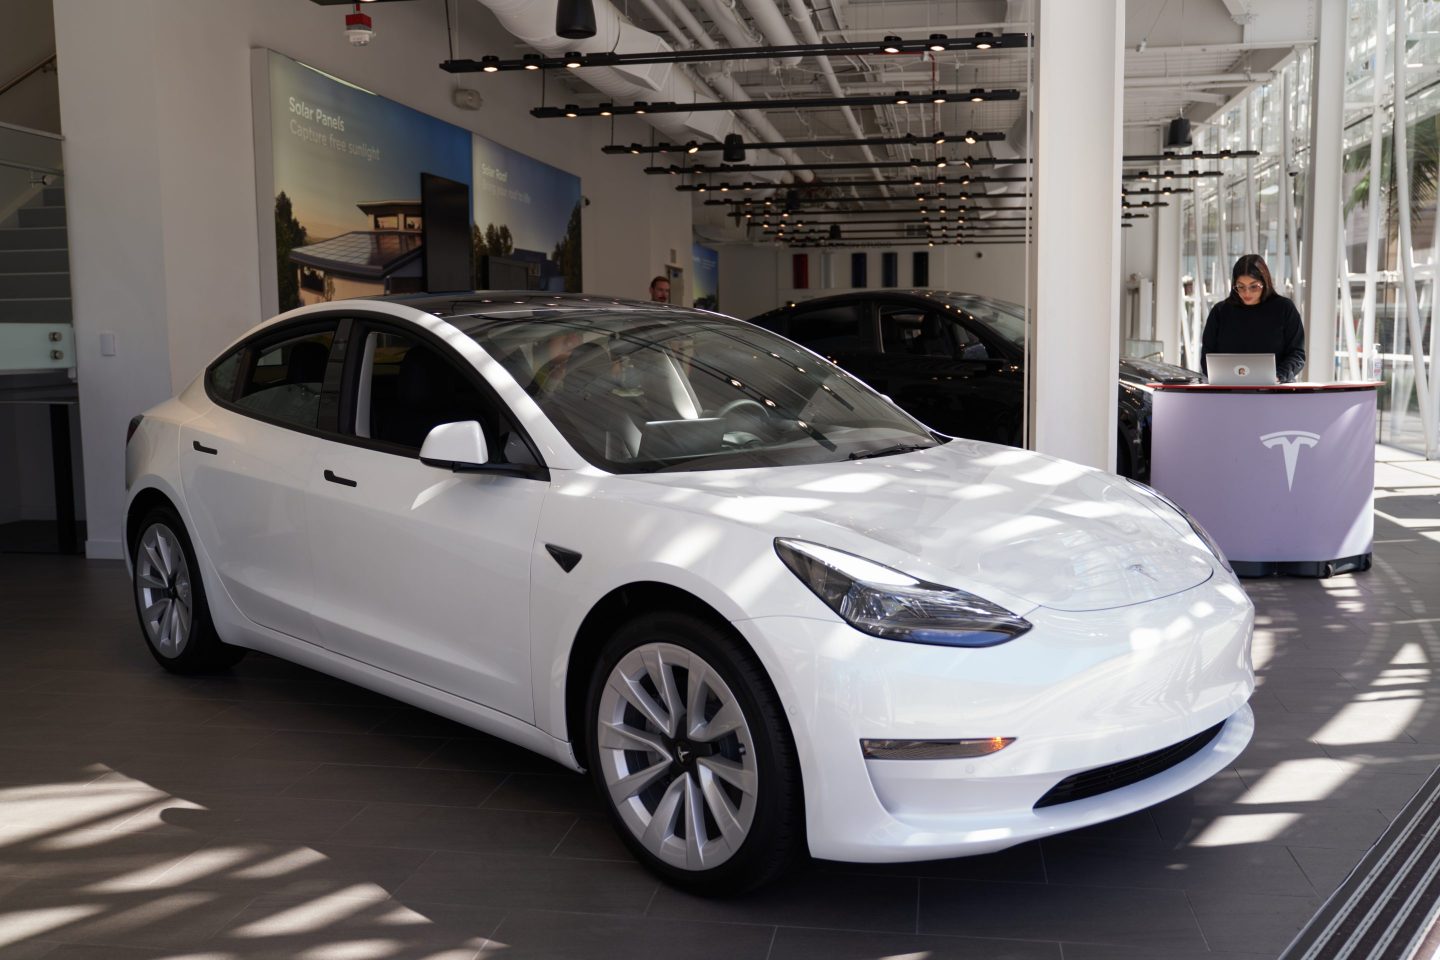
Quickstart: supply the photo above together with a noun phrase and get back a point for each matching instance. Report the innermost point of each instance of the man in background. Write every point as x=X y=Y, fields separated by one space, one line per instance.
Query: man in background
x=660 y=290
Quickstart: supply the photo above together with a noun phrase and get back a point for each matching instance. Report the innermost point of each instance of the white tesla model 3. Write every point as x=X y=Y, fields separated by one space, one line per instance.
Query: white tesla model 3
x=763 y=606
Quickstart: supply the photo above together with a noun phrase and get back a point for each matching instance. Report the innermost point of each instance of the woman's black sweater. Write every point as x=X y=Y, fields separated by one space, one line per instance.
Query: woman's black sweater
x=1271 y=326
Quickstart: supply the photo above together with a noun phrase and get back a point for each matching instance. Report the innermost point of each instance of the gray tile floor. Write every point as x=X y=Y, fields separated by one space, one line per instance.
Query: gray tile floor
x=272 y=812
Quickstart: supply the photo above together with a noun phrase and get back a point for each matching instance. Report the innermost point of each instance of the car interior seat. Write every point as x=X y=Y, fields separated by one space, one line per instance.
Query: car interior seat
x=306 y=365
x=428 y=392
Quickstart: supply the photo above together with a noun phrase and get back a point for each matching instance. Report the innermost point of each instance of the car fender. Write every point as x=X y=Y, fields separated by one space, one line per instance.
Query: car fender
x=718 y=562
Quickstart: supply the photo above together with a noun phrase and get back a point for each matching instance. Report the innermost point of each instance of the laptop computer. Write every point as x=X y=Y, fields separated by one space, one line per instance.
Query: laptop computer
x=1241 y=369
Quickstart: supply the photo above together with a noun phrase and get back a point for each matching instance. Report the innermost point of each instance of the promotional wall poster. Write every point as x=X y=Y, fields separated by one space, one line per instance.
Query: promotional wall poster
x=707 y=277
x=346 y=175
x=527 y=211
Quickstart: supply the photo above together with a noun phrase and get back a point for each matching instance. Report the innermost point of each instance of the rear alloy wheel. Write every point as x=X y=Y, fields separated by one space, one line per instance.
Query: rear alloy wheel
x=692 y=756
x=170 y=600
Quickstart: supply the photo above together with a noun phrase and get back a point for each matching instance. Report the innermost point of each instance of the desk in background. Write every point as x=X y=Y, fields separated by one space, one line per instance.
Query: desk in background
x=1282 y=476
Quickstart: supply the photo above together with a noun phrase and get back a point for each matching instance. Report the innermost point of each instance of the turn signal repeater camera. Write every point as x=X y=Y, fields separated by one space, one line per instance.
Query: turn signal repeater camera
x=359 y=29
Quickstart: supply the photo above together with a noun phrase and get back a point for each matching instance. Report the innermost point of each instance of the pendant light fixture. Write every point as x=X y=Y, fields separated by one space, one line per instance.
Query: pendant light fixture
x=575 y=19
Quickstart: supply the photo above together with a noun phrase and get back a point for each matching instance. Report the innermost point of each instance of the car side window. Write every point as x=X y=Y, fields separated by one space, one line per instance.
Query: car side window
x=407 y=387
x=830 y=330
x=221 y=376
x=284 y=377
x=920 y=332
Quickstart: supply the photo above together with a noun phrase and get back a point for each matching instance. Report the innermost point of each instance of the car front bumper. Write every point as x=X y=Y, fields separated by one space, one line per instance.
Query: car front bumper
x=1077 y=692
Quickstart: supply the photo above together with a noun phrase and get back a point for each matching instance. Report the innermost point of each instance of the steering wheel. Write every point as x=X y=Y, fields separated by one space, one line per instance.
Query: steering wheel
x=753 y=409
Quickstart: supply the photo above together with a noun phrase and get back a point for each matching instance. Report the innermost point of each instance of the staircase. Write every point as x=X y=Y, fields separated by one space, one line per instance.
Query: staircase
x=35 y=262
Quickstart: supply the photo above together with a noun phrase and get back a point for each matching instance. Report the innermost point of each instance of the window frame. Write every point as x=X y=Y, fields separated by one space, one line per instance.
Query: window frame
x=354 y=361
x=339 y=386
x=261 y=339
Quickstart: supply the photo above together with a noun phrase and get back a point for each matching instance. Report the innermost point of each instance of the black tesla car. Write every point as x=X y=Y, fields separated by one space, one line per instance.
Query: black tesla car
x=956 y=362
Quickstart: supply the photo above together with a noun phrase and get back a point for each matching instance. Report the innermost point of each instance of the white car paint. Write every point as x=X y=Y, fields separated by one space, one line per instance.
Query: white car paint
x=435 y=588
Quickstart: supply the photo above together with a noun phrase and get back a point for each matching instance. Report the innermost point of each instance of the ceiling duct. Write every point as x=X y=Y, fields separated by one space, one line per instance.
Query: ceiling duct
x=534 y=23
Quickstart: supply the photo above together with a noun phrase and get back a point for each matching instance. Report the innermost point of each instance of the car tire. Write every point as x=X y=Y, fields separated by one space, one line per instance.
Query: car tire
x=733 y=774
x=1124 y=459
x=170 y=599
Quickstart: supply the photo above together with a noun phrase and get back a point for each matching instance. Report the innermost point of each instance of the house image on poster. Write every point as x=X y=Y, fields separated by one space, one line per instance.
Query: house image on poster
x=366 y=263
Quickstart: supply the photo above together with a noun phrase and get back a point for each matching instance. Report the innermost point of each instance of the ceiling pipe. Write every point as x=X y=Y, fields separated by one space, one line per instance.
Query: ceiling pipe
x=801 y=12
x=666 y=23
x=729 y=23
x=534 y=23
x=771 y=23
x=697 y=32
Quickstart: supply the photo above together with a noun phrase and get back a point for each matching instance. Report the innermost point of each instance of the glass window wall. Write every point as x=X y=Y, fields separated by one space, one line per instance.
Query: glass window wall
x=1376 y=334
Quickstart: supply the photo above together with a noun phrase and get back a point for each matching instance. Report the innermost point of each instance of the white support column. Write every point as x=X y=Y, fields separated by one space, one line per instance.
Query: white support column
x=1322 y=221
x=1202 y=308
x=1252 y=235
x=1168 y=302
x=1285 y=278
x=1373 y=208
x=1423 y=379
x=1079 y=114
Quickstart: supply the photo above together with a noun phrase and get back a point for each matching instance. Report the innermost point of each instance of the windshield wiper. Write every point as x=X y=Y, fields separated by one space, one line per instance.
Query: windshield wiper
x=890 y=451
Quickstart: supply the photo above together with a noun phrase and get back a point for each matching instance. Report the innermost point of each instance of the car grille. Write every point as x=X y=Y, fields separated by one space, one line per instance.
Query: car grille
x=1116 y=775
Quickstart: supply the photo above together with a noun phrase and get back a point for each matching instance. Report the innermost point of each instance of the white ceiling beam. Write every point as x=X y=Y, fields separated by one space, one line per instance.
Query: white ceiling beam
x=1203 y=80
x=1239 y=11
x=1152 y=51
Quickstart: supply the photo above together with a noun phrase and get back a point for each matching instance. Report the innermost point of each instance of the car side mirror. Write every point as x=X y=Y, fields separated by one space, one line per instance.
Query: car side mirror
x=455 y=446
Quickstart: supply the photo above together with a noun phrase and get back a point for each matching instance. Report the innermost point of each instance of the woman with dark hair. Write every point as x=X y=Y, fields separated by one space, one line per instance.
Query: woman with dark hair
x=1255 y=319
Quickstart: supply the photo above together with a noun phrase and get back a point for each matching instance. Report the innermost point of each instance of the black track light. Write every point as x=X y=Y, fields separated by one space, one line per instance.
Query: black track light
x=490 y=64
x=572 y=61
x=575 y=19
x=984 y=41
x=977 y=95
x=902 y=98
x=532 y=61
x=892 y=45
x=937 y=42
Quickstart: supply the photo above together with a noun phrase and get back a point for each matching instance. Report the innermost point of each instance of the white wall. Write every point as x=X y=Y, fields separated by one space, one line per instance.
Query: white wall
x=754 y=279
x=155 y=100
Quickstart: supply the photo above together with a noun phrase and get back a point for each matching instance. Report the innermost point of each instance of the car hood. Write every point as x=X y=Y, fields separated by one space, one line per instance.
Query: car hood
x=971 y=515
x=1153 y=371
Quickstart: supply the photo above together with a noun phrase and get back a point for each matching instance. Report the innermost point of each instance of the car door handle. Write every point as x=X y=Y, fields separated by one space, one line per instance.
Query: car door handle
x=333 y=477
x=204 y=449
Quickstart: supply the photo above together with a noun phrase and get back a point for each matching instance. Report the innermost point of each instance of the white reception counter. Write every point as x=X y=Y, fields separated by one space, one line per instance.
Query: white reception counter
x=1283 y=476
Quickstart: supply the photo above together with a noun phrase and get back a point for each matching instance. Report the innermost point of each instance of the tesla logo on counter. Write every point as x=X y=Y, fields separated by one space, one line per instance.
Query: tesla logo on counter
x=1290 y=442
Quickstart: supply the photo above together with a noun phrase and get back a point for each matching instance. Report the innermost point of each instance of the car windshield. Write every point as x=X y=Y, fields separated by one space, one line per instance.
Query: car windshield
x=1007 y=320
x=639 y=391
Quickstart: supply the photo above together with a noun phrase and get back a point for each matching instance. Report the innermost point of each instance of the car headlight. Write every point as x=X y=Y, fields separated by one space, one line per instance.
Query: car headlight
x=884 y=602
x=1200 y=531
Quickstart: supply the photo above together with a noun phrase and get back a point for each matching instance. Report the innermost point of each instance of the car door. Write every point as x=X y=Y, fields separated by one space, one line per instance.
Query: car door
x=945 y=374
x=245 y=466
x=424 y=572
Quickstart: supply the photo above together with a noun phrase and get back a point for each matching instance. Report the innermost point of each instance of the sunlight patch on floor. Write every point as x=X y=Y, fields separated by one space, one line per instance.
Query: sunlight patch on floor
x=1237 y=829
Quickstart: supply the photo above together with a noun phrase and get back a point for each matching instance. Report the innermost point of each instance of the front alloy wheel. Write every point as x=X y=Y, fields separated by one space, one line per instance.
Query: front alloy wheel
x=692 y=755
x=677 y=756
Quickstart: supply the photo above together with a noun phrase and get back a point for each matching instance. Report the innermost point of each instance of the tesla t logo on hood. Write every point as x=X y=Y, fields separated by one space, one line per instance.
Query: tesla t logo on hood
x=1290 y=442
